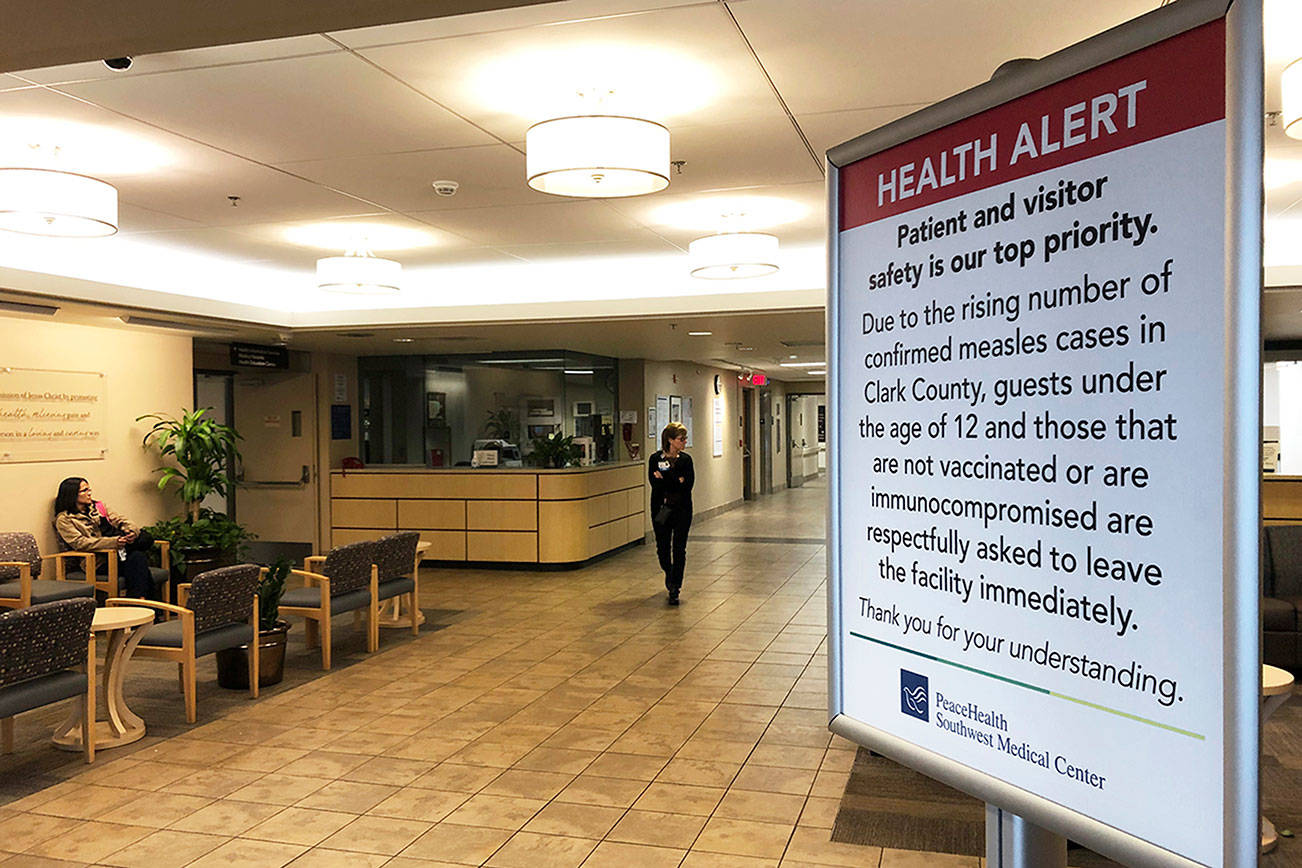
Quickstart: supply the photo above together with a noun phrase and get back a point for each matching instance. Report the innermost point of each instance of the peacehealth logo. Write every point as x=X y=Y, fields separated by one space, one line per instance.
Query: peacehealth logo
x=914 y=694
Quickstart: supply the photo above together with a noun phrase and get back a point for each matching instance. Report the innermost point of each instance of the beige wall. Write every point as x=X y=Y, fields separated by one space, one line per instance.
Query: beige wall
x=146 y=372
x=718 y=480
x=331 y=453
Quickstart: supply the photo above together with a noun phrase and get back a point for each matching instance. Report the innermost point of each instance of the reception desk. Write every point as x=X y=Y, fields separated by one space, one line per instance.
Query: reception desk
x=1281 y=499
x=503 y=515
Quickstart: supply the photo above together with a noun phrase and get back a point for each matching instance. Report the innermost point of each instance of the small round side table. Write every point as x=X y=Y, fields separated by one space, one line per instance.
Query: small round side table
x=122 y=624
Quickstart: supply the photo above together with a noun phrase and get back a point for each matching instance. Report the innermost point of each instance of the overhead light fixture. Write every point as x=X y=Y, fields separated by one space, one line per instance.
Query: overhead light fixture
x=55 y=203
x=596 y=155
x=402 y=340
x=700 y=334
x=359 y=271
x=822 y=373
x=578 y=371
x=733 y=255
x=1290 y=85
x=802 y=364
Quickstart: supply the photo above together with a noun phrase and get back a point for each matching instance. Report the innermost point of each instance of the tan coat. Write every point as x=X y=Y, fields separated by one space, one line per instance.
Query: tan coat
x=81 y=532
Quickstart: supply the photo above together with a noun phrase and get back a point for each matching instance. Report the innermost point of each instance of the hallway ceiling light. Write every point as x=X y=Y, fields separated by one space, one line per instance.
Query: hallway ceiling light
x=597 y=156
x=802 y=364
x=359 y=272
x=1290 y=85
x=57 y=203
x=699 y=334
x=733 y=255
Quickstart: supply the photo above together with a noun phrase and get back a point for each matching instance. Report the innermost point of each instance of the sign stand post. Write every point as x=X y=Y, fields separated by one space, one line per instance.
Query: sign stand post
x=1013 y=842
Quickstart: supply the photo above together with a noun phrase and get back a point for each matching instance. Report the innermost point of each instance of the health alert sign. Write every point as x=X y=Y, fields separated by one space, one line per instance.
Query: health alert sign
x=1031 y=388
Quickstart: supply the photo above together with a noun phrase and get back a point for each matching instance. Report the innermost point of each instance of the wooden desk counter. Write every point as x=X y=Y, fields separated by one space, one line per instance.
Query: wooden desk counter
x=1281 y=499
x=504 y=514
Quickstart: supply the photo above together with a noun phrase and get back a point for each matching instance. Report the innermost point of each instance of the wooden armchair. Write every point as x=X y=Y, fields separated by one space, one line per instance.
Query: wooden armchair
x=214 y=613
x=86 y=566
x=39 y=648
x=398 y=563
x=347 y=581
x=21 y=584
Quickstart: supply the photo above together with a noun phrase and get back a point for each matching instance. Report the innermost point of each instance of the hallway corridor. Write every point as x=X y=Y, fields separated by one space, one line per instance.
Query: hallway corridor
x=542 y=720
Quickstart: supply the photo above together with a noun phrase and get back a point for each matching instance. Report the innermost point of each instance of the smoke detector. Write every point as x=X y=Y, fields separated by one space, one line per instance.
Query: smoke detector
x=446 y=188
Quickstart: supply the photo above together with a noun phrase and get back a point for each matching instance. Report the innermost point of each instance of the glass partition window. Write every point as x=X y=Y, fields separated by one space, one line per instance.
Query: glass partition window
x=467 y=410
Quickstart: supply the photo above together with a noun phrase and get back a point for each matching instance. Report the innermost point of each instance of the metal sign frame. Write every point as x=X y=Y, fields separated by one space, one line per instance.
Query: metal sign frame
x=1242 y=491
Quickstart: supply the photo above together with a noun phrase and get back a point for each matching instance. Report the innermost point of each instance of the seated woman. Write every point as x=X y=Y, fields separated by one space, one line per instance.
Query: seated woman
x=87 y=525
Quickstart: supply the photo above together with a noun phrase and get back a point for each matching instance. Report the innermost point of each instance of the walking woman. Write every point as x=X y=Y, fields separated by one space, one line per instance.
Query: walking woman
x=672 y=476
x=87 y=525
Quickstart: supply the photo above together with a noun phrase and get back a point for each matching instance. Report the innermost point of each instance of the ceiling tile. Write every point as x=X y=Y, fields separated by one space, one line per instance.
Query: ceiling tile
x=559 y=223
x=303 y=108
x=756 y=151
x=488 y=175
x=498 y=20
x=837 y=54
x=676 y=66
x=645 y=244
x=170 y=61
x=826 y=130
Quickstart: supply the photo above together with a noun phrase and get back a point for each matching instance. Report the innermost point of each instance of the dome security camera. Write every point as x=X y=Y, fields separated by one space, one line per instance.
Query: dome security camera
x=117 y=64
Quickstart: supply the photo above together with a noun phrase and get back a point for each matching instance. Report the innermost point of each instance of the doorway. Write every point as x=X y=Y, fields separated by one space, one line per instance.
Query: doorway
x=213 y=391
x=766 y=441
x=275 y=412
x=794 y=448
x=747 y=445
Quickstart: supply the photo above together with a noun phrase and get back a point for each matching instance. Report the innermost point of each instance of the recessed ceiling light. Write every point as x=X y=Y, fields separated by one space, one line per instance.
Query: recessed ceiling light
x=578 y=370
x=802 y=364
x=793 y=356
x=402 y=340
x=745 y=349
x=818 y=373
x=700 y=334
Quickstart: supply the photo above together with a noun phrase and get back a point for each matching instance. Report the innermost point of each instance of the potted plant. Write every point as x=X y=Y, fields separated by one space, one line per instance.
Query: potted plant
x=499 y=424
x=233 y=663
x=200 y=448
x=558 y=450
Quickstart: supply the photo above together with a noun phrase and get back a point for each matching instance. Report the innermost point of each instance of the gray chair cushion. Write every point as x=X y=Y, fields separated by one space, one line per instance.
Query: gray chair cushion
x=48 y=590
x=168 y=635
x=160 y=576
x=396 y=588
x=310 y=598
x=26 y=695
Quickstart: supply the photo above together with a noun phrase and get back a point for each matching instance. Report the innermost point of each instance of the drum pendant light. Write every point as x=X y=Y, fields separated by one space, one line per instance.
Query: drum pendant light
x=359 y=272
x=597 y=154
x=733 y=255
x=56 y=203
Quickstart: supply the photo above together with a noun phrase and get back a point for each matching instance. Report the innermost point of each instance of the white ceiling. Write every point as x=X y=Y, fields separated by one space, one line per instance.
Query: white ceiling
x=354 y=125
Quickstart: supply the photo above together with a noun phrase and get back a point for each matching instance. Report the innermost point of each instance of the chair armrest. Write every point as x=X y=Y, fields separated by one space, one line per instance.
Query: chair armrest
x=148 y=604
x=61 y=568
x=164 y=553
x=183 y=593
x=311 y=560
x=311 y=578
x=24 y=598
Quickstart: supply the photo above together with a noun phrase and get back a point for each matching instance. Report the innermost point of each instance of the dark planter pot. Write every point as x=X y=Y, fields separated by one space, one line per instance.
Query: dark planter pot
x=233 y=663
x=203 y=558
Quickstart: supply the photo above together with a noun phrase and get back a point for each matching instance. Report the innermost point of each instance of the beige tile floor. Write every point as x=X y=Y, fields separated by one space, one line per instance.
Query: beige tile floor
x=562 y=719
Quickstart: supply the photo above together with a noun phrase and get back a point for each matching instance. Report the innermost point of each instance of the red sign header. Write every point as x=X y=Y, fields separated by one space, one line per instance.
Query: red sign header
x=1175 y=85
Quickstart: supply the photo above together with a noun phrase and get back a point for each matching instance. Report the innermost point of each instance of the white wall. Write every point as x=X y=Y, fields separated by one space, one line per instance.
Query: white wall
x=718 y=480
x=145 y=372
